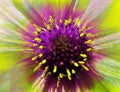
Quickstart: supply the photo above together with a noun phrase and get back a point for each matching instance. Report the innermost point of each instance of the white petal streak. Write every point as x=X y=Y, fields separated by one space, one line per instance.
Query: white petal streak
x=94 y=8
x=107 y=41
x=108 y=38
x=75 y=5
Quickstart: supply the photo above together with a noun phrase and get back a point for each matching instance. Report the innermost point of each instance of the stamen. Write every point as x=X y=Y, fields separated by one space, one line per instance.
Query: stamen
x=83 y=55
x=67 y=22
x=82 y=34
x=38 y=39
x=89 y=49
x=40 y=55
x=73 y=71
x=68 y=74
x=55 y=69
x=88 y=41
x=85 y=67
x=51 y=20
x=75 y=64
x=34 y=45
x=34 y=58
x=81 y=62
x=77 y=22
x=41 y=47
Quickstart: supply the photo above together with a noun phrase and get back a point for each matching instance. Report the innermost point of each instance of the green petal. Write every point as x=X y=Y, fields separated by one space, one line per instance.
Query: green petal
x=110 y=71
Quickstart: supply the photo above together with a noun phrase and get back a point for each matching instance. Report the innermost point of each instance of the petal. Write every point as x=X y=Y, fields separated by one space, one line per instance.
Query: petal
x=110 y=70
x=93 y=9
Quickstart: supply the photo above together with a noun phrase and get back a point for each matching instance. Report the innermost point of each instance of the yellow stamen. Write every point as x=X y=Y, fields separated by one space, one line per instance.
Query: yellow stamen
x=73 y=71
x=85 y=67
x=85 y=59
x=89 y=34
x=34 y=58
x=88 y=41
x=55 y=69
x=89 y=49
x=68 y=74
x=75 y=64
x=82 y=34
x=77 y=22
x=48 y=27
x=38 y=29
x=38 y=39
x=81 y=62
x=36 y=33
x=51 y=20
x=41 y=47
x=83 y=55
x=61 y=75
x=43 y=61
x=40 y=55
x=34 y=44
x=45 y=71
x=67 y=22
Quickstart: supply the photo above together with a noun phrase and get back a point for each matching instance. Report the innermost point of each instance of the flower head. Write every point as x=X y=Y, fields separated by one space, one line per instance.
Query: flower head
x=62 y=45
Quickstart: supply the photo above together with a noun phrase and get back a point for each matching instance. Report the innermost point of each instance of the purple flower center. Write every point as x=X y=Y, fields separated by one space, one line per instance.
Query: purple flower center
x=61 y=49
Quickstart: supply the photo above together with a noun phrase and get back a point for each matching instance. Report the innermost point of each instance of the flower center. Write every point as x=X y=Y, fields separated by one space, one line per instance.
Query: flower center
x=62 y=50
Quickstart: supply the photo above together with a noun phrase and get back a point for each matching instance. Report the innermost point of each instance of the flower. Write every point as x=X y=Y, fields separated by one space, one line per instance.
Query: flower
x=60 y=47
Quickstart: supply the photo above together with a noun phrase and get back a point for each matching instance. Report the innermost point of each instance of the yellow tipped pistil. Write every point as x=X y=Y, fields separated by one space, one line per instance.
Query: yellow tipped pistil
x=68 y=74
x=36 y=33
x=38 y=39
x=48 y=27
x=40 y=55
x=75 y=64
x=41 y=47
x=89 y=49
x=88 y=41
x=43 y=61
x=73 y=71
x=85 y=67
x=61 y=75
x=77 y=22
x=82 y=34
x=81 y=62
x=34 y=44
x=37 y=28
x=34 y=58
x=67 y=22
x=55 y=69
x=83 y=55
x=51 y=20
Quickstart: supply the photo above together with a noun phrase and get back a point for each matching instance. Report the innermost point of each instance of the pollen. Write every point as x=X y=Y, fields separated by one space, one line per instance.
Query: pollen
x=38 y=39
x=67 y=22
x=89 y=49
x=48 y=27
x=75 y=64
x=73 y=71
x=83 y=55
x=34 y=58
x=85 y=67
x=51 y=20
x=81 y=62
x=88 y=41
x=82 y=34
x=77 y=22
x=40 y=55
x=55 y=69
x=44 y=61
x=41 y=47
